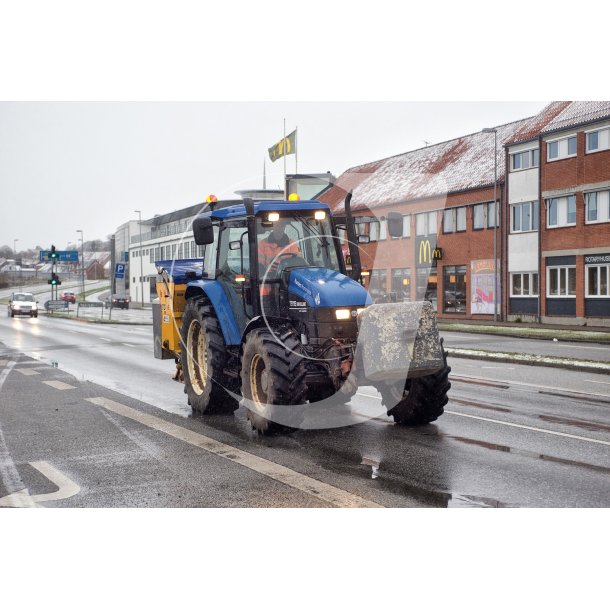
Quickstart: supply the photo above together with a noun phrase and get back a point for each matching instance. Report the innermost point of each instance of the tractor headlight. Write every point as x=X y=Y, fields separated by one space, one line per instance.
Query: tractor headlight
x=319 y=215
x=359 y=310
x=273 y=217
x=342 y=314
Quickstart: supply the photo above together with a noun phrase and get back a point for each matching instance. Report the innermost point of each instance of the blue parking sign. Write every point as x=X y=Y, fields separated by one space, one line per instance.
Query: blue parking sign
x=119 y=271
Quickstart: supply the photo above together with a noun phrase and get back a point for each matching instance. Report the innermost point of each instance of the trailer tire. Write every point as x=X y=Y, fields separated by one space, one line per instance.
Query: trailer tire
x=273 y=374
x=204 y=357
x=423 y=399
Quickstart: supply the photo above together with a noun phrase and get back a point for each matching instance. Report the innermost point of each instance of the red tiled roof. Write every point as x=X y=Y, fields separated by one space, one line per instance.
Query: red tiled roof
x=456 y=165
x=533 y=126
x=577 y=113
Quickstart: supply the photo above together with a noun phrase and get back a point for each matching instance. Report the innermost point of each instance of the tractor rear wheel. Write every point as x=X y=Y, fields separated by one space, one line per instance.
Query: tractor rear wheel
x=272 y=375
x=421 y=400
x=204 y=356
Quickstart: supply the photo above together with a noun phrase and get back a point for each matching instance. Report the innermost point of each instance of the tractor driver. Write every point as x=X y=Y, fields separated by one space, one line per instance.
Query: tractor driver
x=276 y=244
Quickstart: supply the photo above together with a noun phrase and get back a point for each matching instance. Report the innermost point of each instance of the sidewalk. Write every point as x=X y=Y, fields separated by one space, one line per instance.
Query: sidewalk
x=597 y=334
x=553 y=332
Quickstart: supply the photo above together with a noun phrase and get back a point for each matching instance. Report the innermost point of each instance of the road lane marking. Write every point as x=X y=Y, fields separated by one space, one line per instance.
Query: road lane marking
x=593 y=381
x=128 y=344
x=67 y=487
x=59 y=385
x=8 y=471
x=318 y=489
x=22 y=498
x=27 y=372
x=528 y=385
x=104 y=339
x=532 y=428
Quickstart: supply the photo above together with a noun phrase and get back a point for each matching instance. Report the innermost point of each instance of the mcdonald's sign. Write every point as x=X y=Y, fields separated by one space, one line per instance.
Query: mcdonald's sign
x=426 y=253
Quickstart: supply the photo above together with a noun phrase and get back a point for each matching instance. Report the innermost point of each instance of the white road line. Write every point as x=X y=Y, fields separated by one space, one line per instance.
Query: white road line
x=318 y=489
x=8 y=472
x=104 y=339
x=535 y=386
x=27 y=372
x=67 y=488
x=59 y=385
x=128 y=344
x=512 y=425
x=593 y=381
x=504 y=368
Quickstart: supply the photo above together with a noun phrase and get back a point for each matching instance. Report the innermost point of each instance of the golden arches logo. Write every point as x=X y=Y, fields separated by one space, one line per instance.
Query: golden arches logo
x=425 y=254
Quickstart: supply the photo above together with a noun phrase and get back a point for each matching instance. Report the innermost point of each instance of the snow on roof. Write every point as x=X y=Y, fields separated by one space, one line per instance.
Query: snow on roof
x=577 y=113
x=534 y=125
x=457 y=165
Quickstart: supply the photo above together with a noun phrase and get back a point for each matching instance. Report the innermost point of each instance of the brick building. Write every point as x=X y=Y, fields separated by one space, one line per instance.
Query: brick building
x=575 y=240
x=445 y=193
x=553 y=234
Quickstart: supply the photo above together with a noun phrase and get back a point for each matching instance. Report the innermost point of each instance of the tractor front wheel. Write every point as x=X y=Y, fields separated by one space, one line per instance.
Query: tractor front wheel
x=204 y=356
x=273 y=379
x=421 y=400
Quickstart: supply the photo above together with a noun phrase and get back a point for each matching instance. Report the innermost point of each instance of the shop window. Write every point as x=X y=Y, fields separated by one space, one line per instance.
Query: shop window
x=401 y=284
x=597 y=281
x=378 y=284
x=454 y=289
x=427 y=286
x=561 y=281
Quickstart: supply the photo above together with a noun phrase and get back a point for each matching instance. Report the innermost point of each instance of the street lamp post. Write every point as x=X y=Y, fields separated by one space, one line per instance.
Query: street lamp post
x=82 y=270
x=139 y=213
x=496 y=212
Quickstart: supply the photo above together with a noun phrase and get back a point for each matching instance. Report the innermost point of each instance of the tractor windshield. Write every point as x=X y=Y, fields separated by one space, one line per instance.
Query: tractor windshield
x=295 y=241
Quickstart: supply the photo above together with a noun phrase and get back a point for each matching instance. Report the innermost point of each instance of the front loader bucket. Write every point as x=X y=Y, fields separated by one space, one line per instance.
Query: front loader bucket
x=399 y=341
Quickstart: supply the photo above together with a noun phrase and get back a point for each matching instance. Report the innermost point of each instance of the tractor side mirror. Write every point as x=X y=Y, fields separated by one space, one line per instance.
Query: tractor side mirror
x=203 y=231
x=395 y=224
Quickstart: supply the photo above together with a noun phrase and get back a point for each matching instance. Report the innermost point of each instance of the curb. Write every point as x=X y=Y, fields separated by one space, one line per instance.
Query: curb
x=86 y=321
x=545 y=334
x=585 y=366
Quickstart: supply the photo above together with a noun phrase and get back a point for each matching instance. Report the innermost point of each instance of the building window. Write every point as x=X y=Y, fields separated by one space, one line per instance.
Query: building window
x=561 y=149
x=378 y=284
x=524 y=217
x=483 y=215
x=426 y=223
x=597 y=281
x=597 y=207
x=561 y=211
x=426 y=286
x=406 y=225
x=524 y=160
x=598 y=140
x=524 y=284
x=401 y=284
x=454 y=289
x=561 y=281
x=454 y=219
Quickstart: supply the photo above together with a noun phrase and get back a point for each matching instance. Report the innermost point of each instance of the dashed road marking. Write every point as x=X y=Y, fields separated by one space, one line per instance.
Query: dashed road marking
x=59 y=385
x=318 y=489
x=128 y=344
x=27 y=372
x=105 y=339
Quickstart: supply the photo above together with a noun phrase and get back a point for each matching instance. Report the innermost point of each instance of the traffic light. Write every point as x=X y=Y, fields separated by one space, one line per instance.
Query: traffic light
x=53 y=254
x=54 y=281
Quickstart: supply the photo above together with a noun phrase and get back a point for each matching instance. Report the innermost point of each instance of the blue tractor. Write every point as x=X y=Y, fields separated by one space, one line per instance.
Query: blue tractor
x=273 y=320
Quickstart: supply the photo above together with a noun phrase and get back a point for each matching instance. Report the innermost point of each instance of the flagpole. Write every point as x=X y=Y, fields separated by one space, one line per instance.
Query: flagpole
x=284 y=149
x=296 y=150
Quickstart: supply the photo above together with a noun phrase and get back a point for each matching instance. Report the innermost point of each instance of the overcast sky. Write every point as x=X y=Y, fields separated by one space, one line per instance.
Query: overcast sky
x=80 y=165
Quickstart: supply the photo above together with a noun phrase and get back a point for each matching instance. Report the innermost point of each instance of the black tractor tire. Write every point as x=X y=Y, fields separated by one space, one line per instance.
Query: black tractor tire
x=204 y=357
x=423 y=398
x=272 y=374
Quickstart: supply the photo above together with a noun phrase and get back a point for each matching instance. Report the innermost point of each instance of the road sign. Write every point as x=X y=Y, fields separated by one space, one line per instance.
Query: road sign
x=64 y=256
x=119 y=271
x=53 y=305
x=91 y=304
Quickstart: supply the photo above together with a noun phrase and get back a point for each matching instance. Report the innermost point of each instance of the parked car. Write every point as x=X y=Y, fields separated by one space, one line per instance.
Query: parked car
x=120 y=302
x=23 y=304
x=70 y=297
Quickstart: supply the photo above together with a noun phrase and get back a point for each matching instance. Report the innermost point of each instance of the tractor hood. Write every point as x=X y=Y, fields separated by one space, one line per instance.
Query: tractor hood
x=320 y=287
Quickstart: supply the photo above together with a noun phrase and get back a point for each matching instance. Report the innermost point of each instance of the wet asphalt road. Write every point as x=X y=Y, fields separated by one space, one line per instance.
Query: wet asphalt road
x=511 y=435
